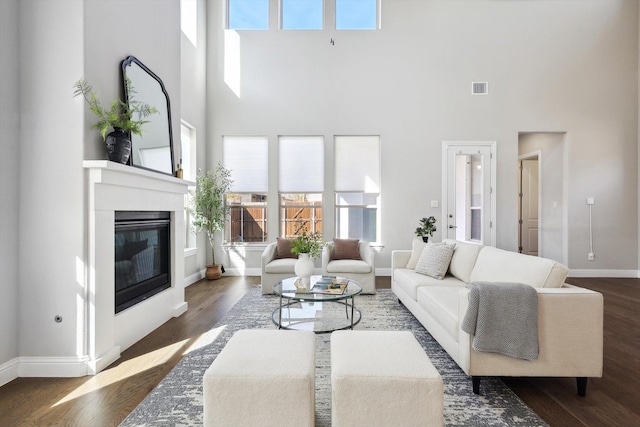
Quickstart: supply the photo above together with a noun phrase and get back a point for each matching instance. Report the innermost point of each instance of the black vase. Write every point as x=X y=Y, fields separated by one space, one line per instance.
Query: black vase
x=118 y=146
x=425 y=239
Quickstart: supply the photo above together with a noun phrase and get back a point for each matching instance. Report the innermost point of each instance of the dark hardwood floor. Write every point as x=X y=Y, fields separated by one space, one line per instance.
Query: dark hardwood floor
x=106 y=399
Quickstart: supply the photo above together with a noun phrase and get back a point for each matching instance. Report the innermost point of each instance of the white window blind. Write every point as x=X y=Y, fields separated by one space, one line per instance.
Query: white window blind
x=247 y=158
x=301 y=164
x=357 y=163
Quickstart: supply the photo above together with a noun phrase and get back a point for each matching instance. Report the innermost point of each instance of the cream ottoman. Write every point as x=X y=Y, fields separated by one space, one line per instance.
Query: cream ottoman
x=383 y=378
x=262 y=378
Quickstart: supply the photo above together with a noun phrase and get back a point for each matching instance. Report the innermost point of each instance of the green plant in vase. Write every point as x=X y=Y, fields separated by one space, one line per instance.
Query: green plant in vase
x=426 y=228
x=311 y=244
x=124 y=118
x=209 y=209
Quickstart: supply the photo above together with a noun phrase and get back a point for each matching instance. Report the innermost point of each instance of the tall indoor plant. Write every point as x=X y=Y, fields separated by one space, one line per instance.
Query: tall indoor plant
x=209 y=209
x=124 y=118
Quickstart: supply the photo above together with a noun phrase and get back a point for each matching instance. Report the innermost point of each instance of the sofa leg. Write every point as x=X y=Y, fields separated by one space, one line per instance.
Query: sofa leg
x=476 y=384
x=582 y=386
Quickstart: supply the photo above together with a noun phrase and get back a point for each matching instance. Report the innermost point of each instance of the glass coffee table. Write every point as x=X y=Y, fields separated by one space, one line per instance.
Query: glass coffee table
x=317 y=312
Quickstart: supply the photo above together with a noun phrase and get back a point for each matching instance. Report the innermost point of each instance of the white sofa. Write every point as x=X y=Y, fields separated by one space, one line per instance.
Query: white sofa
x=570 y=319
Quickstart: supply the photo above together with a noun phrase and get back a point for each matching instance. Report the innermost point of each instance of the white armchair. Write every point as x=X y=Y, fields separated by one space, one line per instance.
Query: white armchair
x=361 y=270
x=275 y=269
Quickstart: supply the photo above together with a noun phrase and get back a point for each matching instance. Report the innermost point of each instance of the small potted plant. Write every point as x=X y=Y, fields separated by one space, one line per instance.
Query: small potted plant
x=311 y=244
x=307 y=247
x=427 y=228
x=125 y=119
x=209 y=209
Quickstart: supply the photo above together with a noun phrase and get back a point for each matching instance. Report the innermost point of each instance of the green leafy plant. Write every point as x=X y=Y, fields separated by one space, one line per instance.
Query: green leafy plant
x=311 y=244
x=427 y=227
x=128 y=117
x=207 y=203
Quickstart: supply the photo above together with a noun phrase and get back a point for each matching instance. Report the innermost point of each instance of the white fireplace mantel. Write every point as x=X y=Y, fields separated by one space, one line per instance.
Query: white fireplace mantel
x=114 y=187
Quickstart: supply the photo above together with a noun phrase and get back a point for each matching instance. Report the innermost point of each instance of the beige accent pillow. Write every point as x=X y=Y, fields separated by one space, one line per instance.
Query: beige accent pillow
x=434 y=260
x=346 y=249
x=283 y=249
x=416 y=250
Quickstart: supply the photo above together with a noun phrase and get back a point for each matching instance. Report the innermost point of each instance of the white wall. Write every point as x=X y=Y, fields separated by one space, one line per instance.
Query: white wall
x=193 y=86
x=52 y=245
x=551 y=66
x=60 y=42
x=552 y=220
x=9 y=175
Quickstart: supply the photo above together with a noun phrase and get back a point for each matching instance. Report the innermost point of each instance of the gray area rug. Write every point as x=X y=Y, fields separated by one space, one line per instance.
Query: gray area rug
x=177 y=400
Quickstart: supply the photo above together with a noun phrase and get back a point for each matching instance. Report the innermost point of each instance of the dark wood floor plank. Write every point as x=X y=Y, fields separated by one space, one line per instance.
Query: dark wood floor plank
x=107 y=398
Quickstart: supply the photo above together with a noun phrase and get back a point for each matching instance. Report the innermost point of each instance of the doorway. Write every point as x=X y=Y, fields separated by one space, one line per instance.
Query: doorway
x=468 y=191
x=542 y=194
x=528 y=204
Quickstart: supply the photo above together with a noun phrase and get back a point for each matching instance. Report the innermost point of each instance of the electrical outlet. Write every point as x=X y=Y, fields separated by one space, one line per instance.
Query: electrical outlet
x=590 y=201
x=590 y=256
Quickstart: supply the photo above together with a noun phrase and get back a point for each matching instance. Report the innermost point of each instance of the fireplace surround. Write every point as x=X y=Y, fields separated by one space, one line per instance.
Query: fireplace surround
x=112 y=187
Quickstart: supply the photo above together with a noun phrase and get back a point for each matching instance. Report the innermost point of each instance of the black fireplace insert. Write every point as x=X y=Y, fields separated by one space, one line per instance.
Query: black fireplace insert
x=142 y=267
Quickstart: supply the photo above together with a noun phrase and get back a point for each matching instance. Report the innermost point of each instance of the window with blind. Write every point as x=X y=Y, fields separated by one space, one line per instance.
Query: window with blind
x=300 y=184
x=357 y=187
x=247 y=158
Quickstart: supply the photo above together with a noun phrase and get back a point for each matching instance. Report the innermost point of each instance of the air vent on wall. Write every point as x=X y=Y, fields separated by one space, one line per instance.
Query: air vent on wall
x=479 y=88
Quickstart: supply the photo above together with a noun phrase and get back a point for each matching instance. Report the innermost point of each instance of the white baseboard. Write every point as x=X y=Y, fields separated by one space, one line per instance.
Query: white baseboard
x=53 y=366
x=383 y=272
x=180 y=309
x=258 y=272
x=243 y=272
x=8 y=371
x=632 y=274
x=190 y=280
x=95 y=366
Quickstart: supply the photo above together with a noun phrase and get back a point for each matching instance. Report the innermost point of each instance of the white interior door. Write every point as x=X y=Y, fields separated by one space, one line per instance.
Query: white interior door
x=529 y=218
x=468 y=182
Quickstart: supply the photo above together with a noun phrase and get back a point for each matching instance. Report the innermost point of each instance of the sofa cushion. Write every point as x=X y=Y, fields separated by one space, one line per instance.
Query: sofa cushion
x=442 y=304
x=434 y=260
x=348 y=266
x=283 y=265
x=497 y=265
x=346 y=249
x=409 y=281
x=463 y=259
x=416 y=250
x=283 y=248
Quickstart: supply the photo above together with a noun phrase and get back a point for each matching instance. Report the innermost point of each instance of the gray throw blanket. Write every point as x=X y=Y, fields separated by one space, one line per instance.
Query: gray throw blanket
x=503 y=317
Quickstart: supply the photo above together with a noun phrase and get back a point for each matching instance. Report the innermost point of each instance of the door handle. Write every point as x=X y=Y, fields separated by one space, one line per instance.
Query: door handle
x=453 y=226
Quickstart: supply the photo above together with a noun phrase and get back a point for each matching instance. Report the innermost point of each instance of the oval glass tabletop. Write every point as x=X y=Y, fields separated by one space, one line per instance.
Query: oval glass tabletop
x=320 y=289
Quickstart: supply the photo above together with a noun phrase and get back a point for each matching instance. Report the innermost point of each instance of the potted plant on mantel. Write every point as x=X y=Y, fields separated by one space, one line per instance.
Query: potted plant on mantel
x=307 y=247
x=427 y=228
x=209 y=209
x=120 y=117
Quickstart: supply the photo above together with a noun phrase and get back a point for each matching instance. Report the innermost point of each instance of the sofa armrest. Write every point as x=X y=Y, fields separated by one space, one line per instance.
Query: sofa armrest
x=399 y=259
x=327 y=251
x=268 y=254
x=570 y=336
x=367 y=254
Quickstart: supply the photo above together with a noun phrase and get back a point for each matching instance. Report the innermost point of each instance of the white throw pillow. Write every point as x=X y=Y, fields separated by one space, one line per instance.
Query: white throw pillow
x=434 y=260
x=416 y=250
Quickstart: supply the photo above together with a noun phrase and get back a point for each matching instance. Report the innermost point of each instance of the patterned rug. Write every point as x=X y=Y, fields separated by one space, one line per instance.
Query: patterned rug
x=177 y=400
